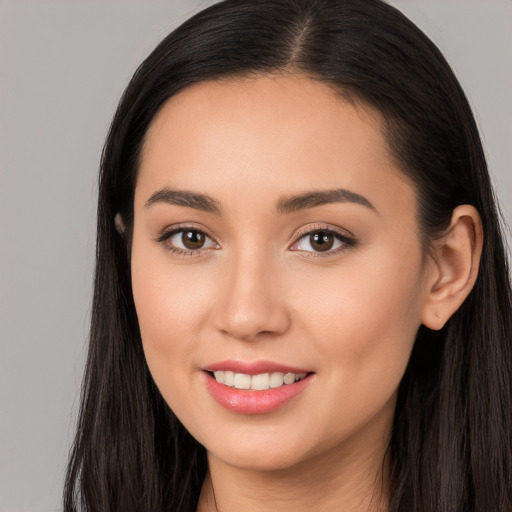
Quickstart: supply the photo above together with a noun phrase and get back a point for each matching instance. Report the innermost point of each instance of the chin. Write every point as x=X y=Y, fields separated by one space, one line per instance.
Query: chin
x=265 y=448
x=257 y=458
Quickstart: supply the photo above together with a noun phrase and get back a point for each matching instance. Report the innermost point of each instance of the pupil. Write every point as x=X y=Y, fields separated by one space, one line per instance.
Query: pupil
x=322 y=241
x=193 y=239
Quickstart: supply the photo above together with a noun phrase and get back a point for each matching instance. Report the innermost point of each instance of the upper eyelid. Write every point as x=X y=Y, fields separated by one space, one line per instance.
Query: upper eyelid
x=322 y=227
x=176 y=228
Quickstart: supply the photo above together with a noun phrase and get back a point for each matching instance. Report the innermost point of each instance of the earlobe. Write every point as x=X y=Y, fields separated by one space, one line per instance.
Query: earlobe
x=118 y=221
x=455 y=261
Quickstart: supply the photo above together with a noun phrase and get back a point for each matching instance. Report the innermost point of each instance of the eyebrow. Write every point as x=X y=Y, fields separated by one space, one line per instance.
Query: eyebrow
x=287 y=204
x=318 y=198
x=185 y=198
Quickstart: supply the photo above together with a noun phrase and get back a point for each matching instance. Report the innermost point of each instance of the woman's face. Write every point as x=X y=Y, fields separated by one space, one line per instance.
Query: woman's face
x=275 y=237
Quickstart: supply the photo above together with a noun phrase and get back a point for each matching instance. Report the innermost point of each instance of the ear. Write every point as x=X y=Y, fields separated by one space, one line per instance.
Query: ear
x=453 y=267
x=119 y=223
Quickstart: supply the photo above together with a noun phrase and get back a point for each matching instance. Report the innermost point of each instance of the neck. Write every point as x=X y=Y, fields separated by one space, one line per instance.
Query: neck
x=355 y=481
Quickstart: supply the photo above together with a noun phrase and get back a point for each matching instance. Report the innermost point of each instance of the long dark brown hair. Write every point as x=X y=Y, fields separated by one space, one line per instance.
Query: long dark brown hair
x=451 y=448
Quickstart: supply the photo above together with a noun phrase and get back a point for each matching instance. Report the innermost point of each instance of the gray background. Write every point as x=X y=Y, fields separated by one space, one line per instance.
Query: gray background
x=63 y=66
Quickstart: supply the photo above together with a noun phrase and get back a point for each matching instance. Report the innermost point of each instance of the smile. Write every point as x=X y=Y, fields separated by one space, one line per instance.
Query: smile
x=259 y=382
x=255 y=388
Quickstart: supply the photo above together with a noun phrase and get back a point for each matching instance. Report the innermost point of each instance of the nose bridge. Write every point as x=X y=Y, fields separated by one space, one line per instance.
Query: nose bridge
x=251 y=303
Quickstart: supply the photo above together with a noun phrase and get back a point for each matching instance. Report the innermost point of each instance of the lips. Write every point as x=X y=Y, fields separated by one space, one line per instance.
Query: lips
x=254 y=387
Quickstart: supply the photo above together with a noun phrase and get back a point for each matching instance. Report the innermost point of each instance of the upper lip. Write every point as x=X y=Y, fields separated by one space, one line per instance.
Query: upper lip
x=253 y=367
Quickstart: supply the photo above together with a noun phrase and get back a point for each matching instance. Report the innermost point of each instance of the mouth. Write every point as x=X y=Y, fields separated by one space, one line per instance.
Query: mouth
x=255 y=388
x=260 y=382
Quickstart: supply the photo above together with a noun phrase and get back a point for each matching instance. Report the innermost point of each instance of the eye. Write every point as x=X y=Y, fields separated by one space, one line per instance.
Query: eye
x=186 y=240
x=323 y=241
x=190 y=239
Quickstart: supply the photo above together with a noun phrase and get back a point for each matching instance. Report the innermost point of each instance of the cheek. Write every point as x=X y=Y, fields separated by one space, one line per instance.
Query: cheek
x=168 y=304
x=363 y=328
x=171 y=308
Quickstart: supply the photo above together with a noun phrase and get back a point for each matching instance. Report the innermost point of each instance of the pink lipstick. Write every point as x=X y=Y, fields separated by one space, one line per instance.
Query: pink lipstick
x=254 y=387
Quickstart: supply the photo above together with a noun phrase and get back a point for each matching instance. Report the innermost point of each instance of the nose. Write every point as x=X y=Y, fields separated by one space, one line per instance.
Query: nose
x=252 y=304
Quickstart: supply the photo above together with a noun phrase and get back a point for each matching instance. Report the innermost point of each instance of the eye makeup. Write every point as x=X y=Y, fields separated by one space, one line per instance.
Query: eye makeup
x=320 y=240
x=323 y=240
x=186 y=240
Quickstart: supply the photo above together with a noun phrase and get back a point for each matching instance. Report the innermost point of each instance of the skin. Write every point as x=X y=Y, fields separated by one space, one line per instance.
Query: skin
x=257 y=290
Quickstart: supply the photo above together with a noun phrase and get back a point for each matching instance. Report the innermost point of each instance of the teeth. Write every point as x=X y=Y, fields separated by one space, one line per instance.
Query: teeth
x=276 y=380
x=229 y=378
x=289 y=378
x=259 y=382
x=242 y=381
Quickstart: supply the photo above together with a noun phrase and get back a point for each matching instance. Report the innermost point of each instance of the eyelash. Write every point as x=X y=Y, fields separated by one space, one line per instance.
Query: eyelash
x=347 y=241
x=168 y=234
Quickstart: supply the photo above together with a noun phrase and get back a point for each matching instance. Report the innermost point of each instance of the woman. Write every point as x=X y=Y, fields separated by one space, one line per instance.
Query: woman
x=302 y=297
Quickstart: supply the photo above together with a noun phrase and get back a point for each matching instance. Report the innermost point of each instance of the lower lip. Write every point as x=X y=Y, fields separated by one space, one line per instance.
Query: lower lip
x=255 y=402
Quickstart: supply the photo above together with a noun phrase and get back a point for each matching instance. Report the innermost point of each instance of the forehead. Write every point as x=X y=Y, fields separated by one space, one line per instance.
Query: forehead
x=280 y=134
x=261 y=109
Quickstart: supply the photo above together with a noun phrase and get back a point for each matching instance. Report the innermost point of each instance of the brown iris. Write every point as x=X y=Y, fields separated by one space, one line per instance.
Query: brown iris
x=193 y=239
x=321 y=241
